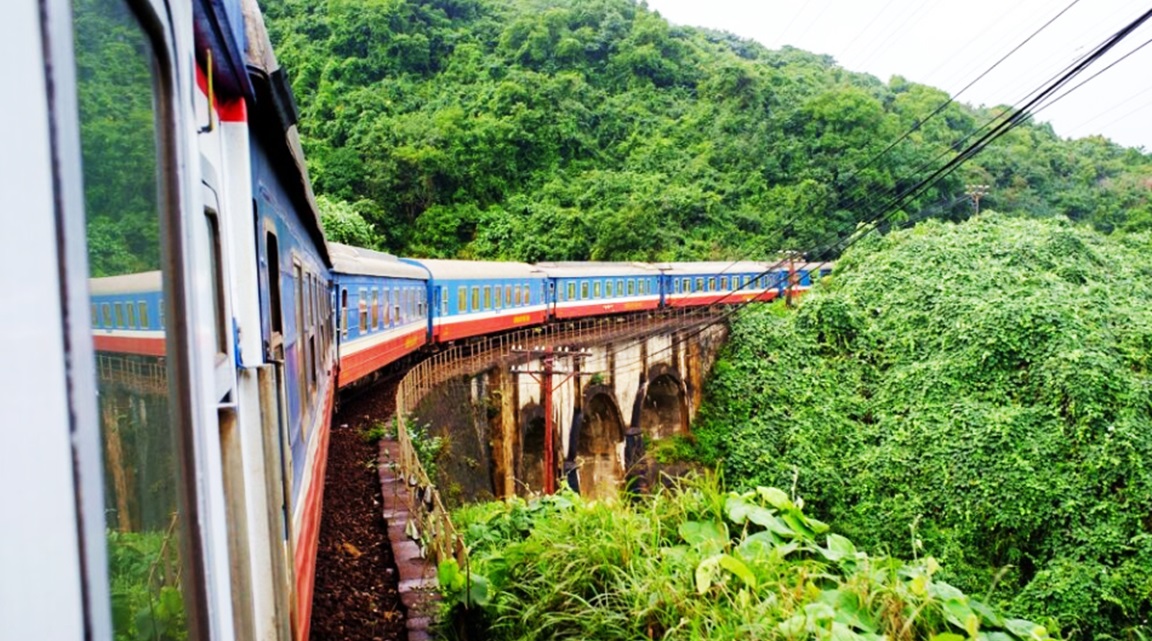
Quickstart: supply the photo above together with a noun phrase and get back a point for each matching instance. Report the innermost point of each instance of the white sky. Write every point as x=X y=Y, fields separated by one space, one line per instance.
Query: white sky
x=948 y=43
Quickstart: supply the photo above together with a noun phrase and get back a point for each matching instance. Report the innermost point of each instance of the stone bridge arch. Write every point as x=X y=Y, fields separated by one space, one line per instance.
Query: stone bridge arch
x=664 y=408
x=600 y=444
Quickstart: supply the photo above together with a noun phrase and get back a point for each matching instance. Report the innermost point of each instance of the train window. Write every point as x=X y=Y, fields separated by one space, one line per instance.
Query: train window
x=475 y=298
x=219 y=324
x=596 y=289
x=274 y=305
x=711 y=283
x=344 y=312
x=723 y=283
x=685 y=285
x=95 y=315
x=507 y=295
x=444 y=301
x=126 y=138
x=698 y=286
x=499 y=297
x=163 y=324
x=571 y=291
x=487 y=297
x=301 y=344
x=527 y=294
x=631 y=287
x=131 y=310
x=583 y=290
x=375 y=309
x=362 y=305
x=608 y=288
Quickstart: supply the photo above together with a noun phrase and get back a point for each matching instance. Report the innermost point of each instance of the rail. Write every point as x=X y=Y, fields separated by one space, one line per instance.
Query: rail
x=426 y=509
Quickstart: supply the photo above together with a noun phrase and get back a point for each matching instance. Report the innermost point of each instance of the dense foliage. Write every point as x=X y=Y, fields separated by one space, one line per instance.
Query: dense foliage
x=981 y=390
x=576 y=129
x=698 y=563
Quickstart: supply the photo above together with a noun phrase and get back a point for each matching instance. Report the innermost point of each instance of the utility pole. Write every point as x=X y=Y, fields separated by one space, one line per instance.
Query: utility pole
x=547 y=356
x=976 y=192
x=793 y=277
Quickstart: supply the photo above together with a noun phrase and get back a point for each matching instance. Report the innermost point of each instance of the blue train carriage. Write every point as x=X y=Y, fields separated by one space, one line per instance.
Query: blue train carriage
x=382 y=306
x=471 y=298
x=128 y=314
x=711 y=283
x=578 y=289
x=298 y=316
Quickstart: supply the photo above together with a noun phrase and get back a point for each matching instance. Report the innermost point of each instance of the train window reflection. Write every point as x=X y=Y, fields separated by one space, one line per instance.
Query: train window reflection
x=142 y=437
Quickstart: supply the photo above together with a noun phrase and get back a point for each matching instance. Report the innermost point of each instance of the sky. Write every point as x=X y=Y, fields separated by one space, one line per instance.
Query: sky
x=948 y=43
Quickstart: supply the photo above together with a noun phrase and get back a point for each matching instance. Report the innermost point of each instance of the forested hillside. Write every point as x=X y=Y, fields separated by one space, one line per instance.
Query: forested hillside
x=980 y=393
x=576 y=129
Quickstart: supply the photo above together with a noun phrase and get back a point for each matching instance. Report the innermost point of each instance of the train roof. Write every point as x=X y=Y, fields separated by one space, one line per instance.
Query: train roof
x=596 y=269
x=273 y=120
x=347 y=259
x=474 y=269
x=137 y=283
x=715 y=267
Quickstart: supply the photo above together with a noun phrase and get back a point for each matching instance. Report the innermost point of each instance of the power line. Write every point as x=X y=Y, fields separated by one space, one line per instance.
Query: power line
x=1018 y=117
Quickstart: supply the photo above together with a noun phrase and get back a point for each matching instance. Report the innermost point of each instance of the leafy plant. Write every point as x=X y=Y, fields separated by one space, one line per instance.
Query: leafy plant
x=147 y=604
x=695 y=563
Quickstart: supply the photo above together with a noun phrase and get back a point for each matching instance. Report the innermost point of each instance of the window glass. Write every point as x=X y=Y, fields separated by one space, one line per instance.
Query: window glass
x=444 y=301
x=487 y=297
x=124 y=188
x=362 y=306
x=571 y=291
x=527 y=294
x=499 y=298
x=344 y=311
x=375 y=309
x=461 y=299
x=219 y=324
x=631 y=287
x=583 y=290
x=507 y=295
x=475 y=298
x=517 y=295
x=608 y=288
x=723 y=283
x=596 y=289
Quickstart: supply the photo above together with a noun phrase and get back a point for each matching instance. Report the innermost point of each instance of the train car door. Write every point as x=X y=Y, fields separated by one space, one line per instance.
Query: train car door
x=225 y=398
x=277 y=443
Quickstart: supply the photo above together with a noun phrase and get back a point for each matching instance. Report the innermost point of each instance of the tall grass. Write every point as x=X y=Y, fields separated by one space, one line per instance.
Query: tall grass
x=696 y=562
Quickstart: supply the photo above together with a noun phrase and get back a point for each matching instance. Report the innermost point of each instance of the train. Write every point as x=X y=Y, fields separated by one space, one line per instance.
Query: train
x=177 y=327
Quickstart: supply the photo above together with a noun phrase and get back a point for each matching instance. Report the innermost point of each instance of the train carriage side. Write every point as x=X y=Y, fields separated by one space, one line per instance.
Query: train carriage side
x=382 y=310
x=595 y=289
x=710 y=283
x=297 y=314
x=128 y=314
x=472 y=298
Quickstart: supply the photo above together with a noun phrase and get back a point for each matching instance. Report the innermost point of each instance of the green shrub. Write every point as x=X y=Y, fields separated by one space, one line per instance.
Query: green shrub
x=988 y=381
x=698 y=563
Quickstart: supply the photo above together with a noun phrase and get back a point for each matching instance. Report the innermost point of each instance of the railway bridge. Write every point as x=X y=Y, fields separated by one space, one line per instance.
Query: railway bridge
x=572 y=403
